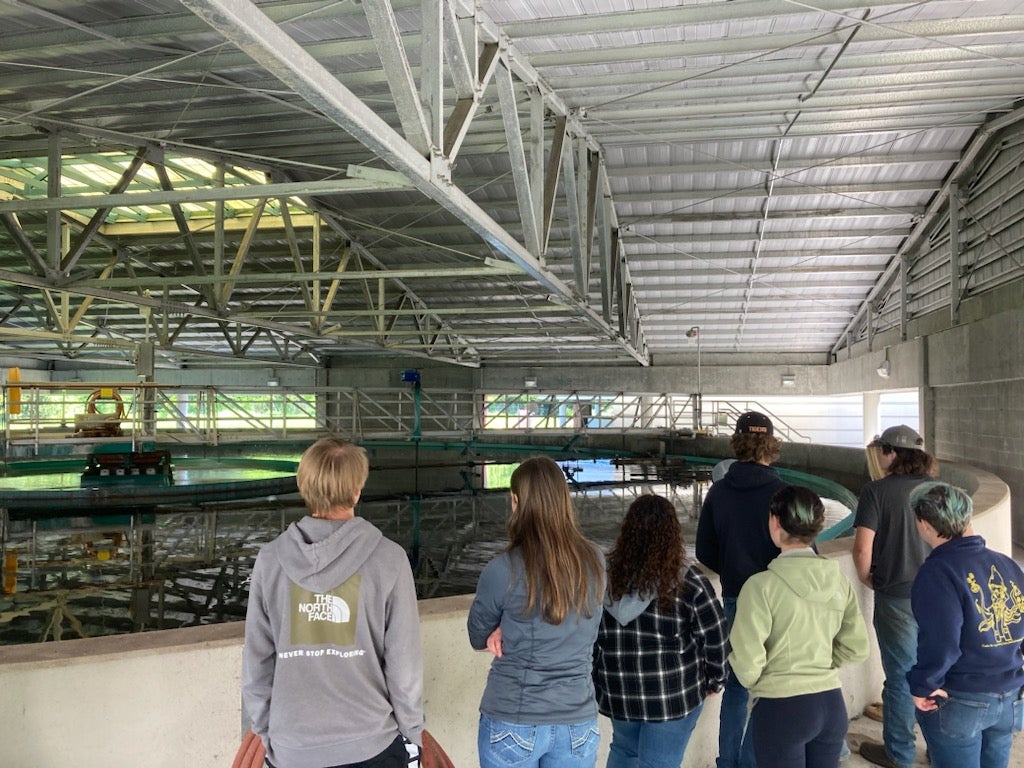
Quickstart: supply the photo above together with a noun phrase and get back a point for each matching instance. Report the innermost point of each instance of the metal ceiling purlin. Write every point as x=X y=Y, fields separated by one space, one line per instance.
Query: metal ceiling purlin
x=207 y=194
x=686 y=15
x=243 y=24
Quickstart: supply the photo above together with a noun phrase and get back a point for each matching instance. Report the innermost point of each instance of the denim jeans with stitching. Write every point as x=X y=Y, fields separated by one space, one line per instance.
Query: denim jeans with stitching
x=896 y=630
x=513 y=745
x=656 y=744
x=972 y=730
x=735 y=746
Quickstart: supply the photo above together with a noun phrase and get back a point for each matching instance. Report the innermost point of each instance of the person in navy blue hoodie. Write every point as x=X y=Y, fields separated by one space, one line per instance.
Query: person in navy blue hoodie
x=968 y=680
x=733 y=541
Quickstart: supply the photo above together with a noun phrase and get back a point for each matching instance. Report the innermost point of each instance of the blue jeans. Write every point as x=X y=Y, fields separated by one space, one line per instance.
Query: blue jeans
x=972 y=730
x=897 y=642
x=642 y=744
x=735 y=746
x=806 y=731
x=512 y=745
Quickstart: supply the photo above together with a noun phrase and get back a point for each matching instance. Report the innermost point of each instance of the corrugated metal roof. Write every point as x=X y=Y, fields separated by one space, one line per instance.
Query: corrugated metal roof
x=576 y=180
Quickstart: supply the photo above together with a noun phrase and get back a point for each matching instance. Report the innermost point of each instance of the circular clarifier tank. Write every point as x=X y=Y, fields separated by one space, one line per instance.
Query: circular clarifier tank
x=61 y=487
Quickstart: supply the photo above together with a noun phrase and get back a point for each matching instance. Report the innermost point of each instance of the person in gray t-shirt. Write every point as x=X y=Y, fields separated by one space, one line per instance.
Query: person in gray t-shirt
x=887 y=552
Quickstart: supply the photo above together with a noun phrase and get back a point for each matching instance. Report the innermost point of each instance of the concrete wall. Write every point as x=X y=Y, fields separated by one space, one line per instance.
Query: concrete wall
x=169 y=699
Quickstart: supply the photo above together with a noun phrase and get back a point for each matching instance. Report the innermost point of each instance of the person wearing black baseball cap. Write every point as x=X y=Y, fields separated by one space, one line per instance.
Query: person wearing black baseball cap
x=887 y=553
x=733 y=540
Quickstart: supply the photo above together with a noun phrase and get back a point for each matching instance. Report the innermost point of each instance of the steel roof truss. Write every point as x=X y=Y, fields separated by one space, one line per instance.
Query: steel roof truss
x=21 y=239
x=384 y=27
x=576 y=217
x=360 y=253
x=551 y=179
x=605 y=255
x=243 y=24
x=517 y=158
x=293 y=249
x=242 y=253
x=54 y=223
x=432 y=85
x=186 y=233
x=100 y=215
x=465 y=107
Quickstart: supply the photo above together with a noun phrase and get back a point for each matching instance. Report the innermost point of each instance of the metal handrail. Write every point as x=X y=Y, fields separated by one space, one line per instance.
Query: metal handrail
x=218 y=415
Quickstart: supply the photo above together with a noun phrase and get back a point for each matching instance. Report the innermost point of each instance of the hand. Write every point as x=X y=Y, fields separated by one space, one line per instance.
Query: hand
x=494 y=642
x=929 y=703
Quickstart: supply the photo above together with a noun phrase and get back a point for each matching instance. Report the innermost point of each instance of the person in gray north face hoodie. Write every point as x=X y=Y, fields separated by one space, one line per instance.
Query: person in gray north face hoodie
x=332 y=669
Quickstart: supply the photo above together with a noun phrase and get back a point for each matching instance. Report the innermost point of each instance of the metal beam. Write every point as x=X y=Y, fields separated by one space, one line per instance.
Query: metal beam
x=384 y=27
x=242 y=23
x=489 y=269
x=13 y=227
x=202 y=195
x=517 y=158
x=94 y=224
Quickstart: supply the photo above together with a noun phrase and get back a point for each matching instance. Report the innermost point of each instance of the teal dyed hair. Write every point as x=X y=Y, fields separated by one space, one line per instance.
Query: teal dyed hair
x=944 y=507
x=799 y=511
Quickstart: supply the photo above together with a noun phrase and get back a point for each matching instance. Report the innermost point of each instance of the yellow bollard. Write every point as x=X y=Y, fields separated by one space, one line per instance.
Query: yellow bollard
x=13 y=393
x=10 y=573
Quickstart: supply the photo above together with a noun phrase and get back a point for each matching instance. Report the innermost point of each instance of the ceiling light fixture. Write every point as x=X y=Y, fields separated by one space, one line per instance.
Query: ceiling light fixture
x=886 y=367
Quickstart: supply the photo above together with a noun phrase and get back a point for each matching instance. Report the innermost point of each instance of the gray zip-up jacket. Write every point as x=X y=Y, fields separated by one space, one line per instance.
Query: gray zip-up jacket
x=544 y=675
x=332 y=669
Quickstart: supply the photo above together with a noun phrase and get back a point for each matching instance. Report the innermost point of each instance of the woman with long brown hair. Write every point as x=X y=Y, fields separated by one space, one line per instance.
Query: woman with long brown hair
x=662 y=642
x=537 y=608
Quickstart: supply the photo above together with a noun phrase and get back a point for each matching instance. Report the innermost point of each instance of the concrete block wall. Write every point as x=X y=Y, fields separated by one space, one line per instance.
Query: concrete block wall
x=976 y=399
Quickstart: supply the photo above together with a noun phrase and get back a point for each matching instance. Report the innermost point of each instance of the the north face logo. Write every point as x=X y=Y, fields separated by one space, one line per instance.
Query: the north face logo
x=325 y=618
x=326 y=608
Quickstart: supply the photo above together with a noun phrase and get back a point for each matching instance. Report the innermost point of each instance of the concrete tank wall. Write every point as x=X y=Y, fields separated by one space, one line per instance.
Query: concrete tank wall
x=169 y=699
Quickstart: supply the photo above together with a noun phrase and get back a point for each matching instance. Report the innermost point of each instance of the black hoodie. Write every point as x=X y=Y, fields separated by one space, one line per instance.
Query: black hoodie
x=732 y=534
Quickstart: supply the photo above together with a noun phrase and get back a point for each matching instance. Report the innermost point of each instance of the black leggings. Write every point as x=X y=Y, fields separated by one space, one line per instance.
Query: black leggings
x=799 y=731
x=395 y=756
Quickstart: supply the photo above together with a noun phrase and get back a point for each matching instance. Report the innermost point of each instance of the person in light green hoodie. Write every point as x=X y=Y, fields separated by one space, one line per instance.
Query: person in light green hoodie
x=796 y=624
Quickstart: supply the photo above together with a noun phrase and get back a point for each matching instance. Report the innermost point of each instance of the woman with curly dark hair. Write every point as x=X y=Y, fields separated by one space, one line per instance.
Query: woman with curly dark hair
x=661 y=645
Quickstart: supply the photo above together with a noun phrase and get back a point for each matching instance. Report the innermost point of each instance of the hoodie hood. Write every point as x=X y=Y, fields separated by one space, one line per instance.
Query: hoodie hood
x=816 y=585
x=627 y=607
x=746 y=475
x=319 y=554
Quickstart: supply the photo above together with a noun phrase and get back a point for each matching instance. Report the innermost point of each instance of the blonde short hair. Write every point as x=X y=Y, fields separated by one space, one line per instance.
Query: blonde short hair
x=331 y=474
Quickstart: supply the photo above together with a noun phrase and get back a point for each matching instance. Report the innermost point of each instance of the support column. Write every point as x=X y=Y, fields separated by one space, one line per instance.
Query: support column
x=872 y=423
